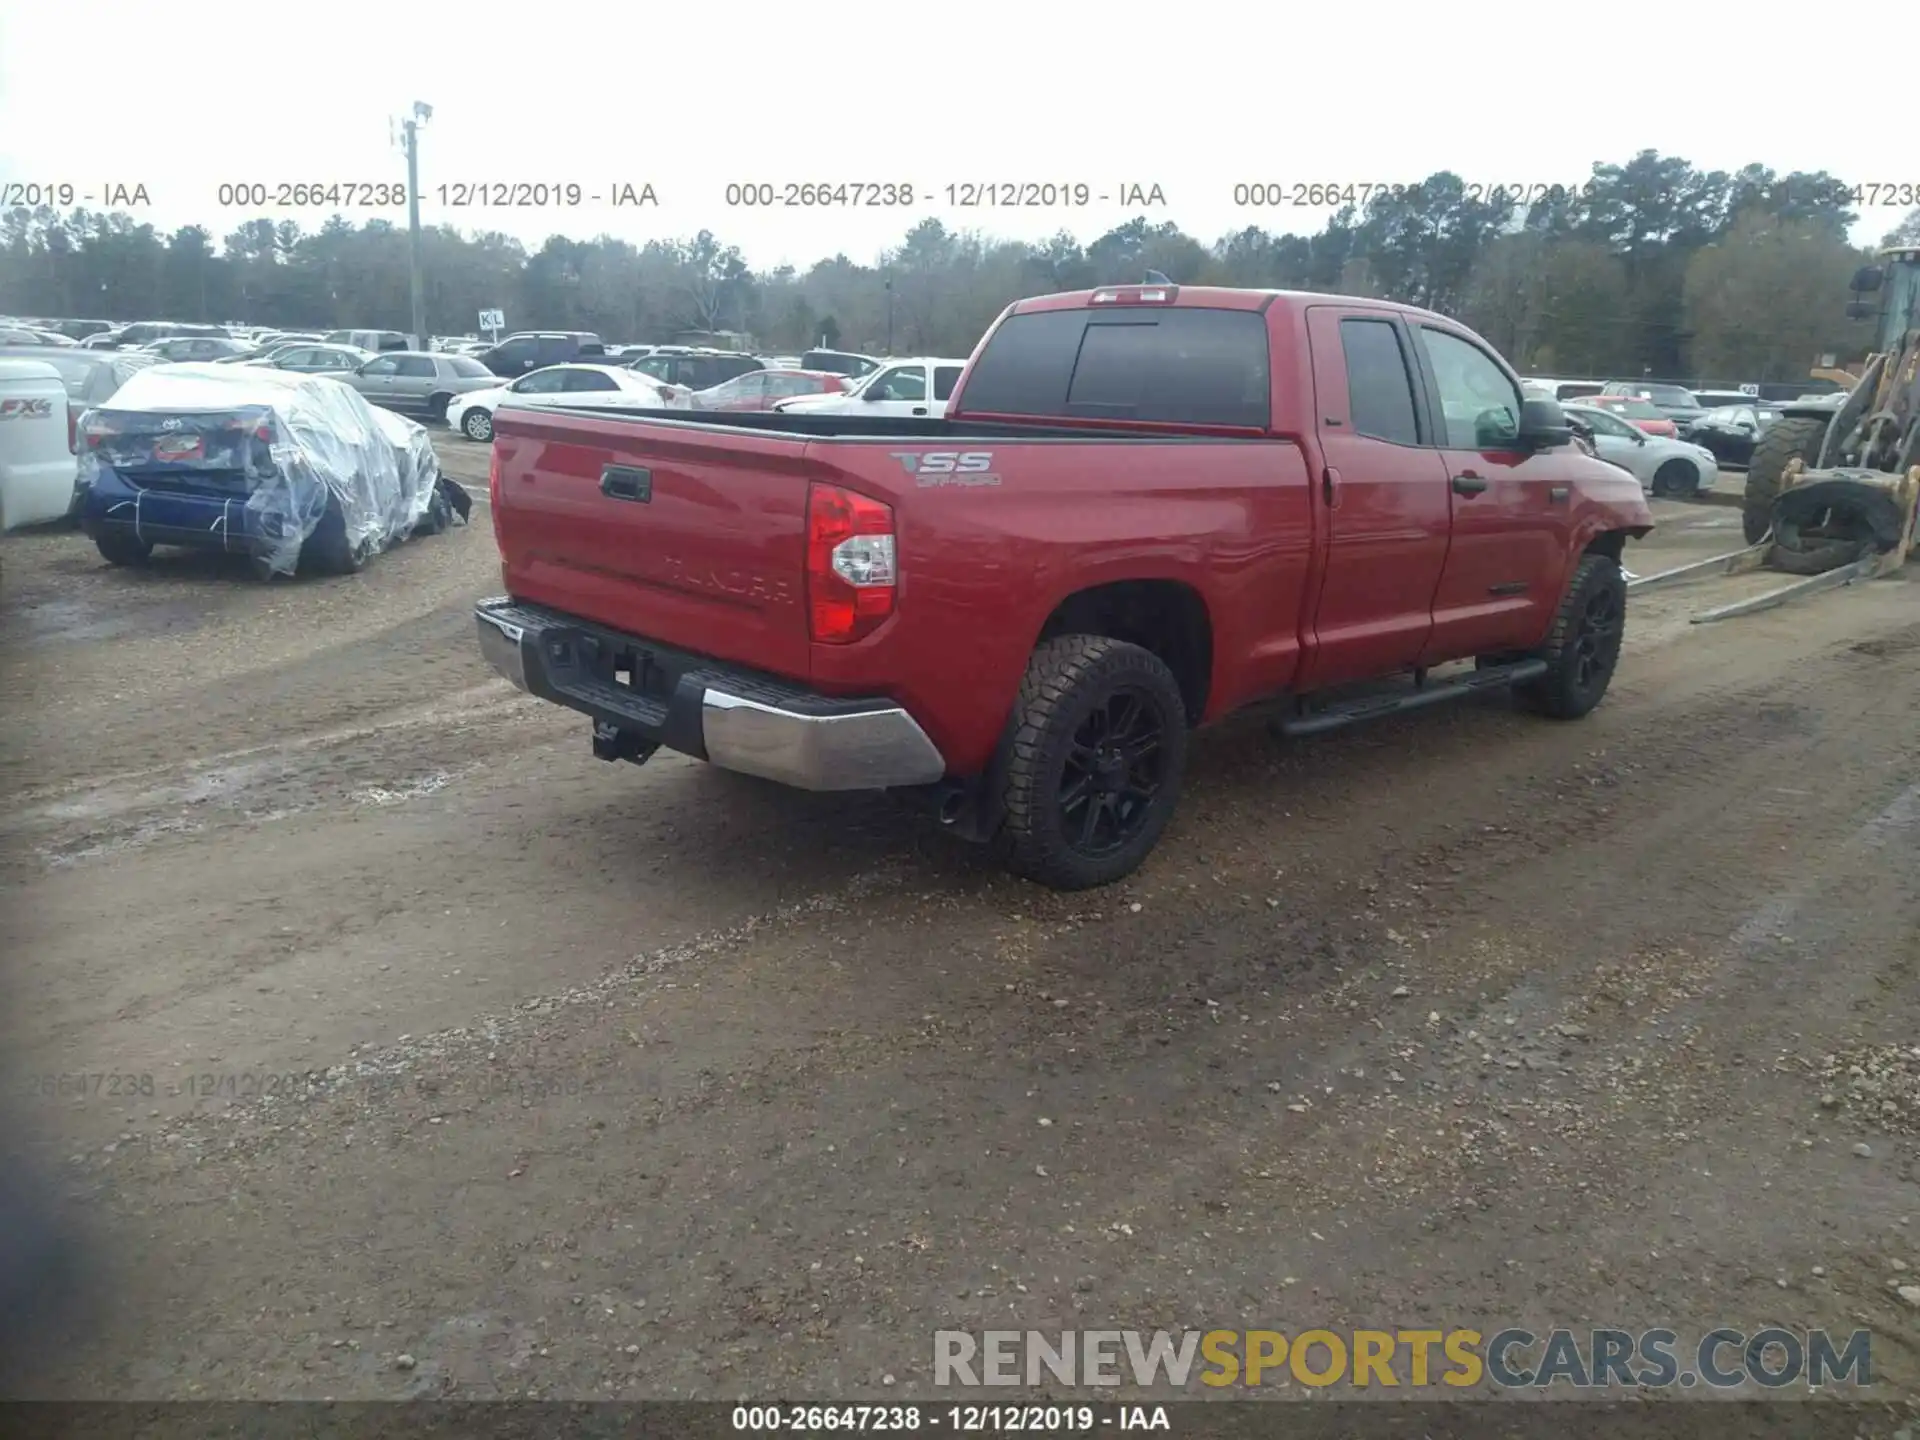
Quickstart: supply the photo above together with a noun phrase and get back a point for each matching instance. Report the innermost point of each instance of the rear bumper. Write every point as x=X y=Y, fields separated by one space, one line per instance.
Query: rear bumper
x=171 y=517
x=735 y=718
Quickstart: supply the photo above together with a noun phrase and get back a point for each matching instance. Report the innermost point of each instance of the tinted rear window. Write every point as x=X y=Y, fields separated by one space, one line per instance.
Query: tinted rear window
x=1191 y=367
x=1379 y=385
x=467 y=369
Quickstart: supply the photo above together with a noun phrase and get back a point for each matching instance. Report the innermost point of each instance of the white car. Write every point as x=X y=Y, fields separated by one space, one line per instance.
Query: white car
x=574 y=386
x=920 y=386
x=1669 y=468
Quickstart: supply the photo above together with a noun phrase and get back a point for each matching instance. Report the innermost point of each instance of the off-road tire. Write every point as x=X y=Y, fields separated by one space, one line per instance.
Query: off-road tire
x=119 y=549
x=477 y=426
x=1677 y=479
x=1580 y=656
x=1068 y=678
x=1789 y=437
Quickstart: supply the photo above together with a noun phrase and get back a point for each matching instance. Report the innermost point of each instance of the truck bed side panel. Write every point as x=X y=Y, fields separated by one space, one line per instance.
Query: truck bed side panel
x=983 y=565
x=713 y=560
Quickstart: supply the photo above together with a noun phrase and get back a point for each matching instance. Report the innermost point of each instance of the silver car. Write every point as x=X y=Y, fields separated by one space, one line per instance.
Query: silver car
x=311 y=359
x=1675 y=469
x=420 y=383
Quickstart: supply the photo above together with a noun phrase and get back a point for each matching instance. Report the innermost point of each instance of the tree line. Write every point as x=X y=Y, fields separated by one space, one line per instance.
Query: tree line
x=1653 y=267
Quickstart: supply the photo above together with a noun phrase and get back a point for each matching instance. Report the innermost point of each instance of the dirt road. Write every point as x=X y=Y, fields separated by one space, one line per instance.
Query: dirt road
x=660 y=1082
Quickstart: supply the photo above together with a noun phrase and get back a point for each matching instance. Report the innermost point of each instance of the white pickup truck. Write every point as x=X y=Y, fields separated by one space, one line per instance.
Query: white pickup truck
x=920 y=386
x=39 y=465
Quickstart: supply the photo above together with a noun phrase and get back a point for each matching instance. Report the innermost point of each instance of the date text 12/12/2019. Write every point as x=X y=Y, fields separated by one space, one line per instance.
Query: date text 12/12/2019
x=956 y=1419
x=960 y=195
x=455 y=195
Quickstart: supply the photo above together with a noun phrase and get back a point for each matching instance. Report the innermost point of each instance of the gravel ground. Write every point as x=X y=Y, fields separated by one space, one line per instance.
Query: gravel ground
x=440 y=1039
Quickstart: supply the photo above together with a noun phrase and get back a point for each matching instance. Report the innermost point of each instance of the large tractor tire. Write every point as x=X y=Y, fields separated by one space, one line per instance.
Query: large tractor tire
x=1791 y=437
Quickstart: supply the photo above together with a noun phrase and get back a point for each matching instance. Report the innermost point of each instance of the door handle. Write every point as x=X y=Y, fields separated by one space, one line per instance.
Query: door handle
x=1468 y=483
x=624 y=482
x=919 y=409
x=1330 y=487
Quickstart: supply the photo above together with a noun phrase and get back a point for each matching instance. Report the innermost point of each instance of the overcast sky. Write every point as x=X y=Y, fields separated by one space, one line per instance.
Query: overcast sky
x=1193 y=98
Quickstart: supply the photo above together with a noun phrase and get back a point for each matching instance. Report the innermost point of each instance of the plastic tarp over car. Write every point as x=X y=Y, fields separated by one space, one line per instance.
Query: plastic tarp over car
x=307 y=444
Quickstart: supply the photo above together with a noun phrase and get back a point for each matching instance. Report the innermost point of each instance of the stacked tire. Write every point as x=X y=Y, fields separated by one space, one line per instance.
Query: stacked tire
x=1790 y=438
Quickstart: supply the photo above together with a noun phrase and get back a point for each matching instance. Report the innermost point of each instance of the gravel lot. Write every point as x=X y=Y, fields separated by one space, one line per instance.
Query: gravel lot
x=661 y=1082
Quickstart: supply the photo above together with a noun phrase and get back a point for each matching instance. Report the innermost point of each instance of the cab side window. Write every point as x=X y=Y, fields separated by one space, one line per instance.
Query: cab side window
x=1379 y=383
x=1479 y=404
x=906 y=383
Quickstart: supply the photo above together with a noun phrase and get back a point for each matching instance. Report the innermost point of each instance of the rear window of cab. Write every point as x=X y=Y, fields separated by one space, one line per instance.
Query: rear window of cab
x=1175 y=366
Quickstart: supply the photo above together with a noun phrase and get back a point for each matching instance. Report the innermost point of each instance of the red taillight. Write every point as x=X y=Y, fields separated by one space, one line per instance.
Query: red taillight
x=493 y=479
x=73 y=431
x=851 y=566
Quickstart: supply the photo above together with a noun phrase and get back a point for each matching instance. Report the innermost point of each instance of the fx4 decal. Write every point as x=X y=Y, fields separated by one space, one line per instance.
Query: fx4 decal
x=31 y=409
x=932 y=469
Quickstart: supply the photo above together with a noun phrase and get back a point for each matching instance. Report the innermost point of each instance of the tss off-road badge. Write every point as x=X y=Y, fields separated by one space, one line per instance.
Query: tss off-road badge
x=932 y=469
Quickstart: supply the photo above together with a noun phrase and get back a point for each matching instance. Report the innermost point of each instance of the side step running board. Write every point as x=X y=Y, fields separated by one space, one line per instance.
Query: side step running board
x=1372 y=707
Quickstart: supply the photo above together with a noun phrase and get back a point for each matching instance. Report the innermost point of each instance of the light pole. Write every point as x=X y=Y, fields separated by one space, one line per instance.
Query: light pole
x=410 y=128
x=889 y=315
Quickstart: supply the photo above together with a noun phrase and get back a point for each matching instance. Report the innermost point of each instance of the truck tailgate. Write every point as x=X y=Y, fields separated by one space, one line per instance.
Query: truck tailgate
x=690 y=536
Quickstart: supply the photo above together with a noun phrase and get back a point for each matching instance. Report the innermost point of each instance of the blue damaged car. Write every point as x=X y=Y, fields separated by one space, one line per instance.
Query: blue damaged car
x=293 y=471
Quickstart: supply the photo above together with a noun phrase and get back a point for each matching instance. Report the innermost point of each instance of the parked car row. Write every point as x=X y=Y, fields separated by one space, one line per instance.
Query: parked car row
x=1725 y=424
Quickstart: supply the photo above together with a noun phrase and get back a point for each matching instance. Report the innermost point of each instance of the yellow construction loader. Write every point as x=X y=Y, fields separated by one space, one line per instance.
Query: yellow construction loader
x=1833 y=488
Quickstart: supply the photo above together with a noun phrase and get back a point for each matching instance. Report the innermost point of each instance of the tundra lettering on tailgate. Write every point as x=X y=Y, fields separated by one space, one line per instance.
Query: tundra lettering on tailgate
x=739 y=584
x=933 y=468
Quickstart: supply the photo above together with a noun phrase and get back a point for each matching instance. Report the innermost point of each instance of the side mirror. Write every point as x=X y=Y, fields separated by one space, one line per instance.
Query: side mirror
x=1543 y=425
x=1867 y=278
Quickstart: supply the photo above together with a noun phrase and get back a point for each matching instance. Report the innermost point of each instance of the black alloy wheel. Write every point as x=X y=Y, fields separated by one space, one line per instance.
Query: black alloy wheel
x=1112 y=774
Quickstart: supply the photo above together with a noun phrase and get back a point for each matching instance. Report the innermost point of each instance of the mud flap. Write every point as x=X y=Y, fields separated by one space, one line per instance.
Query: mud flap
x=457 y=498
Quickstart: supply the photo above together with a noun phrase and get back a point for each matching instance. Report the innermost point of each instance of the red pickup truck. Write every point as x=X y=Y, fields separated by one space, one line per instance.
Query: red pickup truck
x=1145 y=507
